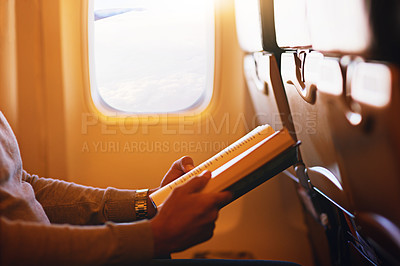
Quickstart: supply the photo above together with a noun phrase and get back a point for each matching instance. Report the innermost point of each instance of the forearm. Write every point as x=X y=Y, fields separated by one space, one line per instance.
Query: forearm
x=66 y=202
x=34 y=244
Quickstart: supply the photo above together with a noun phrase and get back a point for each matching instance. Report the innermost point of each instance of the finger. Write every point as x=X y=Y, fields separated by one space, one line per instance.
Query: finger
x=208 y=231
x=174 y=172
x=181 y=166
x=197 y=183
x=211 y=215
x=186 y=163
x=222 y=198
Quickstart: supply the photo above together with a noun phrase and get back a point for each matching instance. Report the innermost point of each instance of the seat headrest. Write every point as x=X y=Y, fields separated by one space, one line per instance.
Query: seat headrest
x=369 y=28
x=339 y=25
x=248 y=25
x=291 y=24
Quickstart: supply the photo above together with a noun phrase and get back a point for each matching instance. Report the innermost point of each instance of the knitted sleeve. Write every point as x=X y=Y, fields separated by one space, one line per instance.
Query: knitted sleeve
x=66 y=202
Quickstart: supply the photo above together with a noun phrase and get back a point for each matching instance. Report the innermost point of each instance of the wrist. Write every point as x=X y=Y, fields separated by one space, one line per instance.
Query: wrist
x=151 y=208
x=152 y=190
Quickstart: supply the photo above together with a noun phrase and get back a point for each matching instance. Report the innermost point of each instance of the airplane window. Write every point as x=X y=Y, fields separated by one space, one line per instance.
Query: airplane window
x=152 y=56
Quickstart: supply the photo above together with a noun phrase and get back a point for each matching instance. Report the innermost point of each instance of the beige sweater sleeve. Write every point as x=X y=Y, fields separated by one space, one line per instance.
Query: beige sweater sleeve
x=66 y=202
x=29 y=243
x=27 y=237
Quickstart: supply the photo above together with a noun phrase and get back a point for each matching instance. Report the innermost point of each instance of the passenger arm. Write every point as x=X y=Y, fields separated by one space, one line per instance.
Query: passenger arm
x=66 y=202
x=29 y=243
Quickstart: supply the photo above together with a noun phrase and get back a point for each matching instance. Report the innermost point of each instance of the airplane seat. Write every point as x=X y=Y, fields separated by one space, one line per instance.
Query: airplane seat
x=363 y=37
x=255 y=26
x=301 y=70
x=256 y=36
x=324 y=192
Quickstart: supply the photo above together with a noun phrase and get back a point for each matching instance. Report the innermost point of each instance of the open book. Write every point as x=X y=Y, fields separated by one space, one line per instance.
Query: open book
x=242 y=166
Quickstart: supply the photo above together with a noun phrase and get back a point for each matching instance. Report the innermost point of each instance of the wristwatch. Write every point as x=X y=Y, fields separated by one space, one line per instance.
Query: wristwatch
x=141 y=196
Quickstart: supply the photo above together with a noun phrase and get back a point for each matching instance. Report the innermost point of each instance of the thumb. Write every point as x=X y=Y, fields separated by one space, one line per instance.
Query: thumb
x=197 y=183
x=186 y=164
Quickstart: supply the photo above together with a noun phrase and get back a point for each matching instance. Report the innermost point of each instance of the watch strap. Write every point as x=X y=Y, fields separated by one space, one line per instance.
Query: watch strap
x=141 y=196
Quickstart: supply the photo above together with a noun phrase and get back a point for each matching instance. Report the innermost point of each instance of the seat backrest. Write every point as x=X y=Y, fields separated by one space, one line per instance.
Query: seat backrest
x=366 y=132
x=362 y=115
x=301 y=71
x=368 y=105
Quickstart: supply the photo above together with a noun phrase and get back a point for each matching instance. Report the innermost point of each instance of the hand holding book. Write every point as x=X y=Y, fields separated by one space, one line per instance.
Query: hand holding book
x=241 y=166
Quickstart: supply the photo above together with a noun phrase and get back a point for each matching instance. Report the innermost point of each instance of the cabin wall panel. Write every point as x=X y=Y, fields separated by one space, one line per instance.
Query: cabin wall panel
x=8 y=62
x=31 y=129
